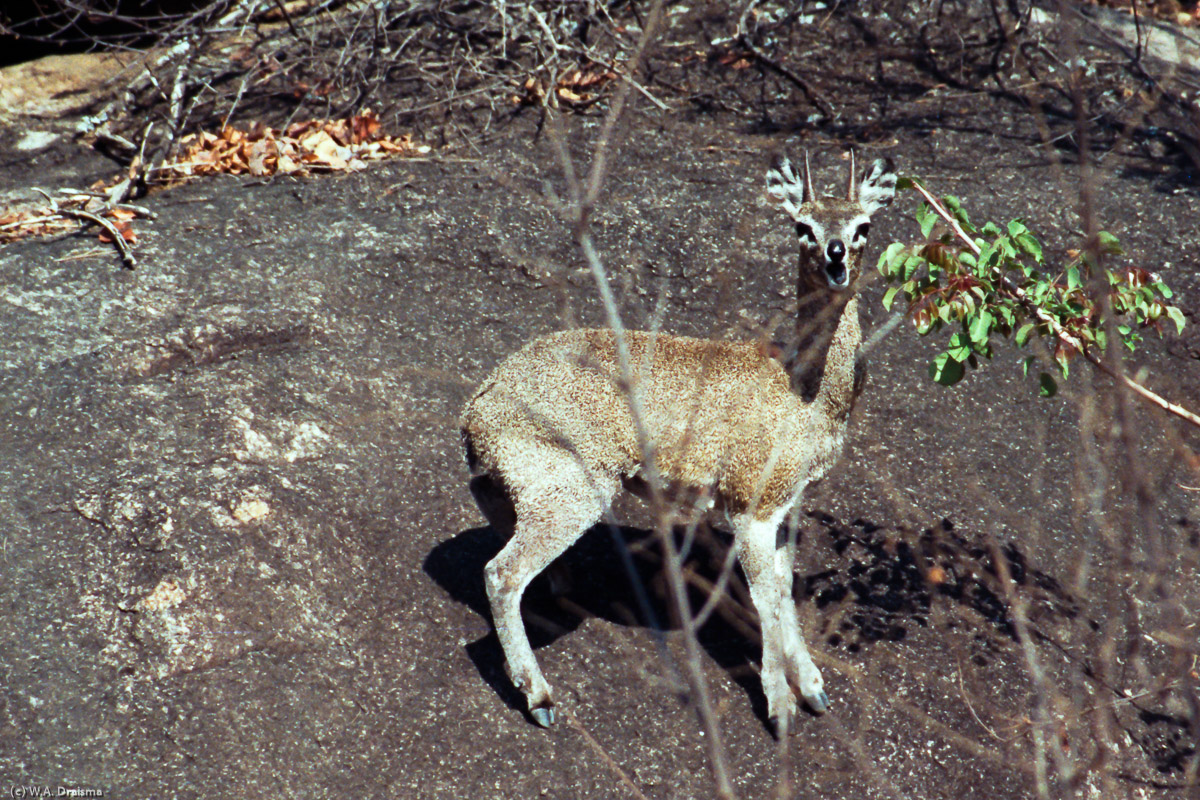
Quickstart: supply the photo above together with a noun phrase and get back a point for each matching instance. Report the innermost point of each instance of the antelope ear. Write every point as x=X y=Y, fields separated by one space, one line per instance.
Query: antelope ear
x=784 y=186
x=878 y=186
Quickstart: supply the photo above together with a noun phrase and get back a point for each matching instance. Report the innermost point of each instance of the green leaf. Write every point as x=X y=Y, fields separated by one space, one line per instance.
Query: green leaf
x=1030 y=245
x=911 y=265
x=955 y=207
x=1177 y=317
x=1025 y=364
x=1023 y=333
x=945 y=370
x=959 y=348
x=990 y=229
x=887 y=267
x=1109 y=243
x=904 y=182
x=1064 y=366
x=889 y=297
x=987 y=254
x=1073 y=281
x=926 y=218
x=1047 y=387
x=1016 y=228
x=980 y=328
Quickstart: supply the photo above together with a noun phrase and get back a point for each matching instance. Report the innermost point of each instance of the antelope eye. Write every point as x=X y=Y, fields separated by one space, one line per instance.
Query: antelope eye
x=805 y=231
x=862 y=231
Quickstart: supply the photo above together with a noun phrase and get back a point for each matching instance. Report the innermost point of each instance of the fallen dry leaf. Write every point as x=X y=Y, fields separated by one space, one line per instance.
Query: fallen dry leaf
x=124 y=228
x=260 y=152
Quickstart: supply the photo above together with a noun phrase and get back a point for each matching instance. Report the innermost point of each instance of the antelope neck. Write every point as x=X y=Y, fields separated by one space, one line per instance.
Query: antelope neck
x=822 y=363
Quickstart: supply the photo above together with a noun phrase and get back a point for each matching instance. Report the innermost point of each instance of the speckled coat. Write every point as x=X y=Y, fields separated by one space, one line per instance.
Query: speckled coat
x=721 y=416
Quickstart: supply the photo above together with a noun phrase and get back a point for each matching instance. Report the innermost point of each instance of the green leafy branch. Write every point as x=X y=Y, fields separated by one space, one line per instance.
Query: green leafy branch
x=987 y=282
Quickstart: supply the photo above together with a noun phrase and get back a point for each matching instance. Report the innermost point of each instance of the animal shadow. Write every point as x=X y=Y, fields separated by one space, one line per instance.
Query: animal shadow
x=614 y=573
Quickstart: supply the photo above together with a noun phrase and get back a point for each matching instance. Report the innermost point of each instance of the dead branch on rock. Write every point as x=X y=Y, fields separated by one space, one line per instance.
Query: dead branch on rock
x=745 y=39
x=458 y=69
x=115 y=235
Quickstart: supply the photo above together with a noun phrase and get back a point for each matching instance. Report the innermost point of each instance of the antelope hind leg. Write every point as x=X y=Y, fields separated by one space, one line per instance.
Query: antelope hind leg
x=552 y=511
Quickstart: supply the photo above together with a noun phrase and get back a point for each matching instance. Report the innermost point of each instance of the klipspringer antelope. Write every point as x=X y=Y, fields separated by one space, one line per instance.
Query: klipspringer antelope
x=551 y=434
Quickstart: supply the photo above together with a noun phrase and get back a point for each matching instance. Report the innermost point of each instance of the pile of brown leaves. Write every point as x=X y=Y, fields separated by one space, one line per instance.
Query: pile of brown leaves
x=303 y=147
x=1185 y=13
x=16 y=225
x=300 y=149
x=578 y=88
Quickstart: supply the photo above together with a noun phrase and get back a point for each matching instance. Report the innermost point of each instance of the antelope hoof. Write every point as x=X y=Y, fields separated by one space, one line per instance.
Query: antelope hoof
x=819 y=702
x=543 y=715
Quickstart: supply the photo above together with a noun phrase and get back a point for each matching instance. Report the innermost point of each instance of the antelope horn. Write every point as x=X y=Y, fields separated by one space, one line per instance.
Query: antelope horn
x=851 y=189
x=809 y=194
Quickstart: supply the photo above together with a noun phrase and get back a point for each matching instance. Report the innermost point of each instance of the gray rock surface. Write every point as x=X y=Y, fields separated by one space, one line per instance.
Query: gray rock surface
x=240 y=558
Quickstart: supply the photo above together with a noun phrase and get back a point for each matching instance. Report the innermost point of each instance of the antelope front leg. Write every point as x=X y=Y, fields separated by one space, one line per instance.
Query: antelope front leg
x=755 y=543
x=802 y=673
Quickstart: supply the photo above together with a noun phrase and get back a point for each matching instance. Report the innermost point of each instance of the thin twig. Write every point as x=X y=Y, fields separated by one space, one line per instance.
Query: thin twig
x=604 y=756
x=291 y=25
x=962 y=690
x=645 y=92
x=31 y=221
x=117 y=237
x=584 y=197
x=608 y=131
x=880 y=333
x=141 y=211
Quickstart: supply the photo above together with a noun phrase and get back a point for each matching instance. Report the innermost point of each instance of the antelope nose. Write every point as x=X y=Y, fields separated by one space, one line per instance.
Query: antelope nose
x=836 y=251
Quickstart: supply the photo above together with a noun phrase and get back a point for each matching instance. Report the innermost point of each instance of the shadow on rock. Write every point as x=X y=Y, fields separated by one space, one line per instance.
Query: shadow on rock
x=614 y=573
x=883 y=582
x=589 y=580
x=1168 y=740
x=888 y=580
